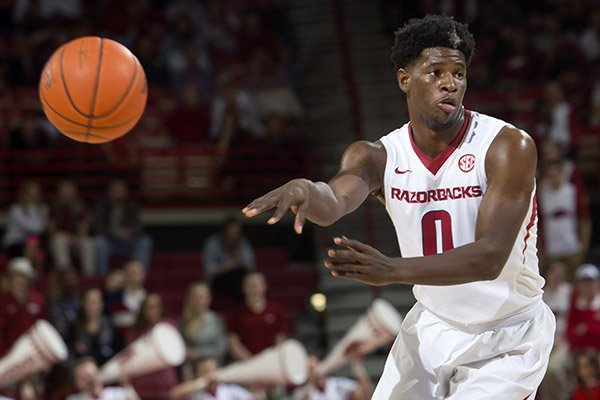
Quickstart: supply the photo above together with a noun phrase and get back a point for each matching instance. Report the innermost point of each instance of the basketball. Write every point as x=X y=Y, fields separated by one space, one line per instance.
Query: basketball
x=93 y=89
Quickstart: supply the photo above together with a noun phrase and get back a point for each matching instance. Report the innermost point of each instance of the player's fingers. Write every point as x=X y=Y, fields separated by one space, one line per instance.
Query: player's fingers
x=260 y=205
x=300 y=216
x=354 y=276
x=344 y=266
x=342 y=254
x=343 y=241
x=282 y=207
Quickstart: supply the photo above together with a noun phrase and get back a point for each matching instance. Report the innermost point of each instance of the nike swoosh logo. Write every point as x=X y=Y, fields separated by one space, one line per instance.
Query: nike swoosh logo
x=401 y=172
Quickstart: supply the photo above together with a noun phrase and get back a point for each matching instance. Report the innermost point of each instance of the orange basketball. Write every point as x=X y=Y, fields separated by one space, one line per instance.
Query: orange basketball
x=93 y=89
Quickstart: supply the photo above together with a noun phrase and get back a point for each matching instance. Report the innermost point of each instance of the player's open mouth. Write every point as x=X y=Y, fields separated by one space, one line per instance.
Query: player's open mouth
x=447 y=105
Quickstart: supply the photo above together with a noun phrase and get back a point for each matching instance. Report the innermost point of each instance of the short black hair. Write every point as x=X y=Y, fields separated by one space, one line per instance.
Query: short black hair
x=419 y=34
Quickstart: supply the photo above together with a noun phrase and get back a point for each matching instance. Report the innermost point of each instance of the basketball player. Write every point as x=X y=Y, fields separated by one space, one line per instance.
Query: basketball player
x=459 y=187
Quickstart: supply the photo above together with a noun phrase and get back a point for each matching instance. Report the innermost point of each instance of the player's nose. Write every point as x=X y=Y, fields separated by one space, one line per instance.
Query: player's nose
x=448 y=84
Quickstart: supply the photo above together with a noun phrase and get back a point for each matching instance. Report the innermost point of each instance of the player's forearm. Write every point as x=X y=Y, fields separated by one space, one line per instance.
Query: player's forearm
x=476 y=261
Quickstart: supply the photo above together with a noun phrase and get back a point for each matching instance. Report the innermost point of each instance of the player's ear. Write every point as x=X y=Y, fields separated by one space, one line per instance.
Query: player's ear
x=403 y=78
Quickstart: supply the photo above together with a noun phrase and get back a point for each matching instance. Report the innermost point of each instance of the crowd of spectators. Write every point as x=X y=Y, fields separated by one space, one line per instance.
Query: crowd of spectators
x=68 y=229
x=221 y=76
x=98 y=322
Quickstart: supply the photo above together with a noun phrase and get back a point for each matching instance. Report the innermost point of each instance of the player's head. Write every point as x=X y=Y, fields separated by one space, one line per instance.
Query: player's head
x=430 y=56
x=431 y=31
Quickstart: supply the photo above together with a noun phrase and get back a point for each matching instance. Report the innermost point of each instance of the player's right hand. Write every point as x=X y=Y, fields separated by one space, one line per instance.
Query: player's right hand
x=294 y=195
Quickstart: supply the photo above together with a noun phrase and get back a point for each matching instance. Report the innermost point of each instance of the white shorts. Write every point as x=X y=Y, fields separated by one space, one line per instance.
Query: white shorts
x=432 y=360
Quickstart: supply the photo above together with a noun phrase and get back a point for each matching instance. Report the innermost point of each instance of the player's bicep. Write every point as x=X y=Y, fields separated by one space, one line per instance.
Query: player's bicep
x=361 y=172
x=510 y=167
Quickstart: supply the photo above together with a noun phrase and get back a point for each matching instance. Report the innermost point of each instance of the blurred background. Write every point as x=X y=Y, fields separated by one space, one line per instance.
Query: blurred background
x=245 y=95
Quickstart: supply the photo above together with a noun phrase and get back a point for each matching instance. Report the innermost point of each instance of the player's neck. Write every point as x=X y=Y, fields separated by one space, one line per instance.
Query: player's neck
x=433 y=141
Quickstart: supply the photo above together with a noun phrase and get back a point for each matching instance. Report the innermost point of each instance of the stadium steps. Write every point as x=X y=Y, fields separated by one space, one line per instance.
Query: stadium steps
x=329 y=116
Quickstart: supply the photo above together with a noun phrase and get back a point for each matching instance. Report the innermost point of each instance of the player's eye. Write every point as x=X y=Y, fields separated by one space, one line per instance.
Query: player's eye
x=459 y=75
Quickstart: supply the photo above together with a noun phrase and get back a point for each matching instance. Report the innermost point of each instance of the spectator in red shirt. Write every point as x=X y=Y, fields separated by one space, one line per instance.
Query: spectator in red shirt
x=588 y=377
x=583 y=326
x=258 y=323
x=20 y=306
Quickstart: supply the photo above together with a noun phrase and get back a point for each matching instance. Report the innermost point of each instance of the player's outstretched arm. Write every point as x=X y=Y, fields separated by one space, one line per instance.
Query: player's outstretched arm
x=361 y=172
x=510 y=166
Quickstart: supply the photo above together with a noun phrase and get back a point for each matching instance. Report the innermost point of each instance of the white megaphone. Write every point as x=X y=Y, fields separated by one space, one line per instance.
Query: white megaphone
x=286 y=363
x=38 y=348
x=378 y=325
x=162 y=347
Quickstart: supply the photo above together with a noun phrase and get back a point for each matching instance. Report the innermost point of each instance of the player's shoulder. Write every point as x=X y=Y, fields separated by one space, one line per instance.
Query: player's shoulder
x=365 y=155
x=505 y=129
x=515 y=141
x=511 y=149
x=366 y=148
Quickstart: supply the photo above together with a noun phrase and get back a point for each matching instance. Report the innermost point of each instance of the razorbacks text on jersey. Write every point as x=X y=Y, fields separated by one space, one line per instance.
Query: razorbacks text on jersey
x=434 y=203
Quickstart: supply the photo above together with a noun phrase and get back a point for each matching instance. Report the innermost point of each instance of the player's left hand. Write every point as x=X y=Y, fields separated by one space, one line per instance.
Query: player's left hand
x=360 y=262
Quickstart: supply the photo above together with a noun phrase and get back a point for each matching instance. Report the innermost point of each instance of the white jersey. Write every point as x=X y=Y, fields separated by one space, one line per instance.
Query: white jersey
x=434 y=203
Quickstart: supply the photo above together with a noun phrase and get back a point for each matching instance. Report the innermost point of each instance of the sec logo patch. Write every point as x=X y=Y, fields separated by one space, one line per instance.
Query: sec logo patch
x=466 y=163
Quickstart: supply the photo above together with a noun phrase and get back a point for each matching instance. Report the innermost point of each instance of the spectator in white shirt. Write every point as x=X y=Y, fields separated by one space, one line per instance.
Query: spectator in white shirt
x=565 y=223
